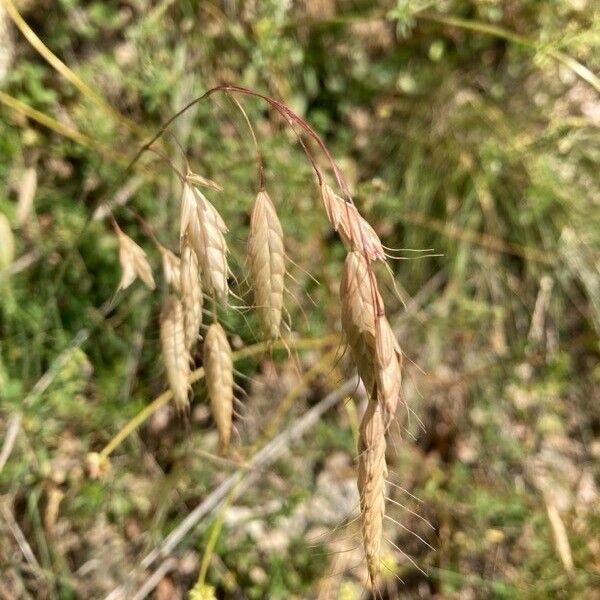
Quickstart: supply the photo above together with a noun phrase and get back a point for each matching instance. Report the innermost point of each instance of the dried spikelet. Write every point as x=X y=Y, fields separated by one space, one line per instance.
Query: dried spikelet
x=189 y=221
x=196 y=179
x=27 y=191
x=218 y=371
x=171 y=267
x=211 y=247
x=360 y=298
x=175 y=355
x=372 y=472
x=355 y=231
x=266 y=260
x=7 y=243
x=133 y=262
x=191 y=295
x=388 y=363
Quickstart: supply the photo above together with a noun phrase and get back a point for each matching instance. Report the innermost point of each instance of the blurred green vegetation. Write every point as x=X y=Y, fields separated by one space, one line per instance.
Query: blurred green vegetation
x=455 y=137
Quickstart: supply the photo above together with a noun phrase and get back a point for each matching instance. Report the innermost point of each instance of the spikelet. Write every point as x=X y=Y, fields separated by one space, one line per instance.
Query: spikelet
x=355 y=232
x=191 y=295
x=7 y=243
x=211 y=247
x=218 y=371
x=133 y=262
x=176 y=357
x=266 y=260
x=359 y=298
x=372 y=472
x=171 y=267
x=388 y=363
x=189 y=222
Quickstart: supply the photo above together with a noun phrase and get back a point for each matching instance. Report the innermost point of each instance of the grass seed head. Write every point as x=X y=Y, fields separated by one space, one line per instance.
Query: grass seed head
x=211 y=247
x=171 y=267
x=218 y=371
x=133 y=262
x=266 y=260
x=388 y=363
x=359 y=298
x=175 y=355
x=355 y=231
x=191 y=295
x=372 y=472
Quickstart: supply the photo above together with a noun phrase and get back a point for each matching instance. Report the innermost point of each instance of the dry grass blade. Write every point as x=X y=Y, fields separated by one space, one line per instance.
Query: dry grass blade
x=266 y=260
x=27 y=191
x=218 y=369
x=133 y=262
x=211 y=247
x=388 y=363
x=175 y=355
x=355 y=232
x=191 y=295
x=359 y=297
x=7 y=243
x=372 y=472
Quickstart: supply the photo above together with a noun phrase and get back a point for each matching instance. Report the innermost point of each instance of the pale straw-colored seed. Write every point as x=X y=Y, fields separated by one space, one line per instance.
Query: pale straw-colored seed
x=218 y=371
x=196 y=179
x=372 y=472
x=171 y=264
x=175 y=355
x=191 y=295
x=360 y=300
x=388 y=363
x=266 y=261
x=27 y=190
x=7 y=243
x=133 y=262
x=355 y=231
x=211 y=248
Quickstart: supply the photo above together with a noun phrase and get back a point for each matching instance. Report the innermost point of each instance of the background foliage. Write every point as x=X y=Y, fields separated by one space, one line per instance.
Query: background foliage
x=461 y=130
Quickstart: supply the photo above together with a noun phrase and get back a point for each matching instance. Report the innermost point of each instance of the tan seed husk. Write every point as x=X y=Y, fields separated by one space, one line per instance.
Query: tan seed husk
x=211 y=248
x=133 y=262
x=171 y=264
x=266 y=261
x=372 y=472
x=191 y=295
x=218 y=371
x=175 y=355
x=388 y=363
x=355 y=231
x=359 y=298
